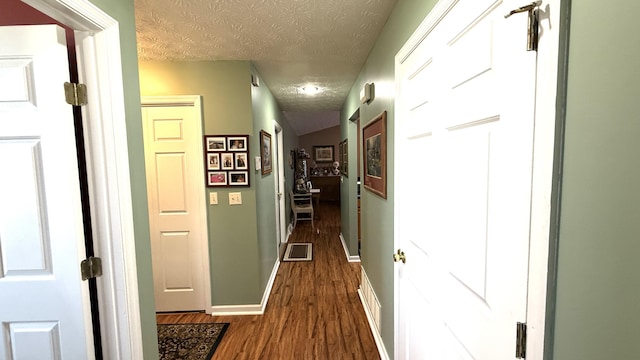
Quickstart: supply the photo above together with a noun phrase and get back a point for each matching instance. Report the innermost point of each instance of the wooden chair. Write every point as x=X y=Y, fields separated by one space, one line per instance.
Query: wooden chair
x=301 y=204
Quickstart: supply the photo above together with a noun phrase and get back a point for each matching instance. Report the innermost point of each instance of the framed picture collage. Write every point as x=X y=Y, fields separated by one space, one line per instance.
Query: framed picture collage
x=226 y=160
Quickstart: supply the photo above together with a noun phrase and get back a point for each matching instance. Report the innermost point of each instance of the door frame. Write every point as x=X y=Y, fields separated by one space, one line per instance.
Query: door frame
x=546 y=155
x=104 y=118
x=194 y=101
x=280 y=184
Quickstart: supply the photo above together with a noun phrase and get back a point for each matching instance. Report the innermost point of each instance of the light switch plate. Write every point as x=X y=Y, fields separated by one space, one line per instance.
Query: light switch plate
x=213 y=198
x=235 y=198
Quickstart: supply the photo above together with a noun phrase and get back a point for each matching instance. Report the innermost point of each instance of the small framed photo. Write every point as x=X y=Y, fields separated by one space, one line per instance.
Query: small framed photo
x=237 y=143
x=238 y=178
x=265 y=152
x=213 y=161
x=216 y=143
x=242 y=163
x=323 y=153
x=217 y=178
x=227 y=161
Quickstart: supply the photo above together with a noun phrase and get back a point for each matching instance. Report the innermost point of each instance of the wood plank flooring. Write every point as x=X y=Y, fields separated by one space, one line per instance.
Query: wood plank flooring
x=313 y=312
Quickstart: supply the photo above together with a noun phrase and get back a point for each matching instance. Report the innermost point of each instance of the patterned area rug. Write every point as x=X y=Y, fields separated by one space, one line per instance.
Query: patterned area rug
x=189 y=341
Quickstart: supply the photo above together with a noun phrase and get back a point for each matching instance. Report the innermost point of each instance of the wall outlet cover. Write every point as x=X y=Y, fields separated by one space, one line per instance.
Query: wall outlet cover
x=235 y=198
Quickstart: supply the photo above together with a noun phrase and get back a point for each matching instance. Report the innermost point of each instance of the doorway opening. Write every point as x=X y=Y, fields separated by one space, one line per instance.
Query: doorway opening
x=281 y=222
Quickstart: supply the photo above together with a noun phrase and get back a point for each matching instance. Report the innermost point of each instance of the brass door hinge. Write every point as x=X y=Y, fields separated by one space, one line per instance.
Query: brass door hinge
x=75 y=94
x=532 y=25
x=91 y=267
x=521 y=340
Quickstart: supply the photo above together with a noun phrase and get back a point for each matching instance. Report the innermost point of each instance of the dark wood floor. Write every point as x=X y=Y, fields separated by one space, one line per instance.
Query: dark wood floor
x=313 y=312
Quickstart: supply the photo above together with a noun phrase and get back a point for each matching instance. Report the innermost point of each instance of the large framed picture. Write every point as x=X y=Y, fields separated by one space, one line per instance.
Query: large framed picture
x=265 y=152
x=343 y=157
x=226 y=160
x=374 y=138
x=323 y=153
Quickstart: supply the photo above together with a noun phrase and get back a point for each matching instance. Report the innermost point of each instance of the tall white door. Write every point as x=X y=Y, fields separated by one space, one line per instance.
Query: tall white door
x=464 y=138
x=44 y=306
x=175 y=188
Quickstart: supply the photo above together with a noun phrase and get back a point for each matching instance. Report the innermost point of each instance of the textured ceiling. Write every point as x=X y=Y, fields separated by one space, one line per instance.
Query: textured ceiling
x=291 y=42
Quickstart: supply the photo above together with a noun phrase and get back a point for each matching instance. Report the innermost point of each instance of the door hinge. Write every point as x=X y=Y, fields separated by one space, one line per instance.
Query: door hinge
x=532 y=23
x=75 y=94
x=91 y=267
x=521 y=340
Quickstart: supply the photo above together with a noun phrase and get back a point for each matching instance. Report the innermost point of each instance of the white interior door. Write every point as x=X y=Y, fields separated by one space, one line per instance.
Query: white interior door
x=175 y=188
x=464 y=142
x=44 y=306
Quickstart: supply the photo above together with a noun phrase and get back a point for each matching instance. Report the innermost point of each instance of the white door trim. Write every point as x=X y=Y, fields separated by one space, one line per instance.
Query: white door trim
x=543 y=177
x=194 y=101
x=280 y=184
x=100 y=68
x=543 y=163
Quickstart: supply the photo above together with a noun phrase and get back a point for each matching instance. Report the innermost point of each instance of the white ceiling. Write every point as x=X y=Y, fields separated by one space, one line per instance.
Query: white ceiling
x=291 y=43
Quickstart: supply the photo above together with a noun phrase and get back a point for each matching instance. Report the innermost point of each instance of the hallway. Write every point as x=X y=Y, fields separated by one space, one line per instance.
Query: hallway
x=314 y=311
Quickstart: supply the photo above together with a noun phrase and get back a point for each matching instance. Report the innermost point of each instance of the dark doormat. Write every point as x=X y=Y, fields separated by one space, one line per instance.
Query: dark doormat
x=189 y=341
x=298 y=252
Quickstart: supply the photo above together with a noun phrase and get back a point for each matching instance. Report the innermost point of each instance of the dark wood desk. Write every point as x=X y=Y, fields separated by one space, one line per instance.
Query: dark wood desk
x=329 y=186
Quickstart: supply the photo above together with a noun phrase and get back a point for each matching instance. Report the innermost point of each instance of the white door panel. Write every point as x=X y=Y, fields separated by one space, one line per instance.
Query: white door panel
x=466 y=112
x=173 y=153
x=44 y=307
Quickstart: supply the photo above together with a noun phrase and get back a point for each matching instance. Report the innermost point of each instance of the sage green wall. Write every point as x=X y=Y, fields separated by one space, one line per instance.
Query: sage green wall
x=377 y=213
x=265 y=112
x=598 y=281
x=225 y=88
x=123 y=12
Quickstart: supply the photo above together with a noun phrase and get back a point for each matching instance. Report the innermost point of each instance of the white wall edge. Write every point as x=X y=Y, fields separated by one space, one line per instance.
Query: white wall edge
x=350 y=258
x=372 y=325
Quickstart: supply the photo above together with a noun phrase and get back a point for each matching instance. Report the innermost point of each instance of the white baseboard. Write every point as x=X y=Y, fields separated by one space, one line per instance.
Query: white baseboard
x=350 y=258
x=257 y=309
x=226 y=310
x=382 y=351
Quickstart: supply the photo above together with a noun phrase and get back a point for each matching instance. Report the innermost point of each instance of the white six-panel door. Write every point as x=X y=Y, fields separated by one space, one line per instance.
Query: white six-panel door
x=464 y=135
x=44 y=305
x=175 y=188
